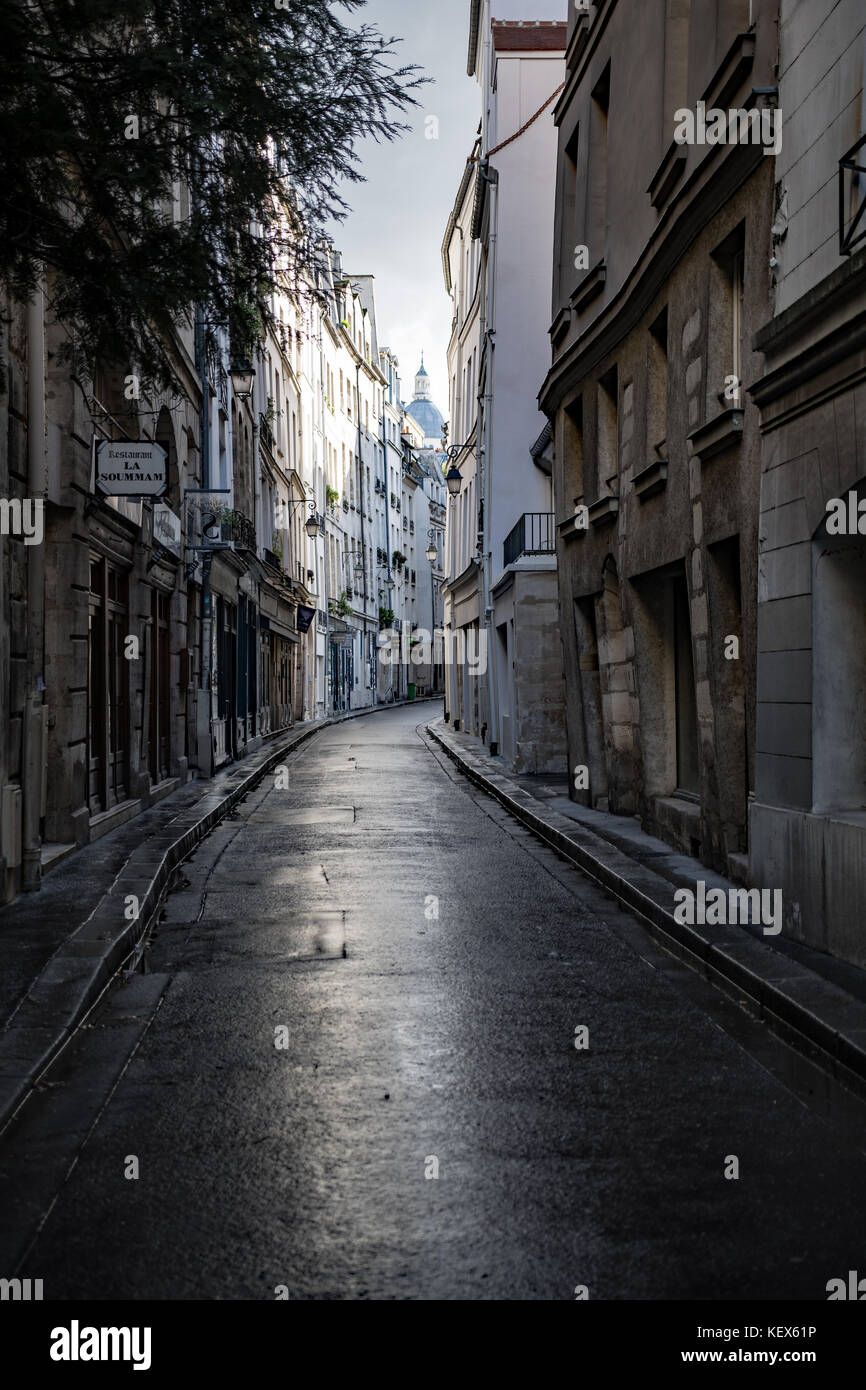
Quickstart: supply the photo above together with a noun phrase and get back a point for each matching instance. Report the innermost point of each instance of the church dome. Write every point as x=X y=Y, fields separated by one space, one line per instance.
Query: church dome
x=423 y=410
x=428 y=417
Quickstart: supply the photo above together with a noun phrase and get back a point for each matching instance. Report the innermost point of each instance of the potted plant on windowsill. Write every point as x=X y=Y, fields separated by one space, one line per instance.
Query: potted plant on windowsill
x=332 y=497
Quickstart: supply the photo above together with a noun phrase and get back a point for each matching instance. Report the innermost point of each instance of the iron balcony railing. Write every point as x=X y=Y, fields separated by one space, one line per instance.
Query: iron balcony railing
x=852 y=203
x=266 y=431
x=237 y=528
x=533 y=535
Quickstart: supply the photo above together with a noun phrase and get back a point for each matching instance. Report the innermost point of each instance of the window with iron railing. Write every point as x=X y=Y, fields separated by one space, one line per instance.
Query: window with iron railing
x=236 y=527
x=533 y=534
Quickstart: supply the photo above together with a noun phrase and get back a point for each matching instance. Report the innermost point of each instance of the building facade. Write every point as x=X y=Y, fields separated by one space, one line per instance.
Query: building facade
x=102 y=615
x=351 y=389
x=427 y=427
x=520 y=67
x=502 y=601
x=808 y=819
x=465 y=687
x=661 y=280
x=155 y=637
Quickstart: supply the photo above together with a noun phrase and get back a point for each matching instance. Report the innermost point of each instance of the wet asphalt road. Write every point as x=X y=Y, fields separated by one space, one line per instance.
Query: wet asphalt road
x=430 y=962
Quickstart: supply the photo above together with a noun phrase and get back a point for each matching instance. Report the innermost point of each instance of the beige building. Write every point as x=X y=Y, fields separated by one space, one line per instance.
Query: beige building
x=101 y=619
x=808 y=822
x=465 y=691
x=661 y=278
x=151 y=638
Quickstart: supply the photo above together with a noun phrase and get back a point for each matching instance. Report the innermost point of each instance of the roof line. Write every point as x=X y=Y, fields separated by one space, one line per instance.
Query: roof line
x=474 y=22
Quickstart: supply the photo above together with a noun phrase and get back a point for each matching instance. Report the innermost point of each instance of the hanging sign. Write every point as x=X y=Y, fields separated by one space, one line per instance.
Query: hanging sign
x=166 y=529
x=131 y=468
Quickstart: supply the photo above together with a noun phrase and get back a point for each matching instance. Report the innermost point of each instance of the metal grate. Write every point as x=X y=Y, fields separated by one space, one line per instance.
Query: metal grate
x=532 y=535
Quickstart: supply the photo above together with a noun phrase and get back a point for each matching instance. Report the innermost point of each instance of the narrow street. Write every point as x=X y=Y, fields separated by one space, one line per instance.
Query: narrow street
x=431 y=963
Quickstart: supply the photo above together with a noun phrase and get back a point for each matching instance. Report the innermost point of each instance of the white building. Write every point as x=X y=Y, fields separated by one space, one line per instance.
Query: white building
x=426 y=418
x=498 y=256
x=338 y=449
x=350 y=453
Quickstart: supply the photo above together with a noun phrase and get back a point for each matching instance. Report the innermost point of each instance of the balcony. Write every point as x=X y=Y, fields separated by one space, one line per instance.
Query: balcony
x=851 y=229
x=238 y=530
x=534 y=534
x=266 y=432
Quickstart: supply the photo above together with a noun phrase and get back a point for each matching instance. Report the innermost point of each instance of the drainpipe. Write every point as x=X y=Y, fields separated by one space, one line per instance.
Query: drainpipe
x=861 y=177
x=487 y=327
x=207 y=559
x=257 y=513
x=326 y=693
x=387 y=551
x=362 y=501
x=33 y=749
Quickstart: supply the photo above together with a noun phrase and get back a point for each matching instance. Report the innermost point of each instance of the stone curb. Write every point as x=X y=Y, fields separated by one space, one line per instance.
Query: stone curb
x=79 y=971
x=811 y=1014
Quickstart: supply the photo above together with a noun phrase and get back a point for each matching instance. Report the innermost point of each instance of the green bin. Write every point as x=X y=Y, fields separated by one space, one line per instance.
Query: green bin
x=411 y=691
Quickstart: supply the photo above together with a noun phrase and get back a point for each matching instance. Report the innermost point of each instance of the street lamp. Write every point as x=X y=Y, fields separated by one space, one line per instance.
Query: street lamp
x=358 y=567
x=453 y=451
x=311 y=525
x=432 y=553
x=242 y=372
x=386 y=583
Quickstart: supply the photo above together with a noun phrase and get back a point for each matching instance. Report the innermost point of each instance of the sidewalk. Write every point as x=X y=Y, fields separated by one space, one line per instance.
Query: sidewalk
x=813 y=1001
x=60 y=947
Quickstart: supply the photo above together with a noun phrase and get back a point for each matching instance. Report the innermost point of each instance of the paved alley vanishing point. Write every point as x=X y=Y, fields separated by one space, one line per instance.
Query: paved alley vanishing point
x=350 y=1072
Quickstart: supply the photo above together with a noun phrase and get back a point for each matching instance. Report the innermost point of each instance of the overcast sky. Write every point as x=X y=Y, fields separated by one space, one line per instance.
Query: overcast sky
x=398 y=216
